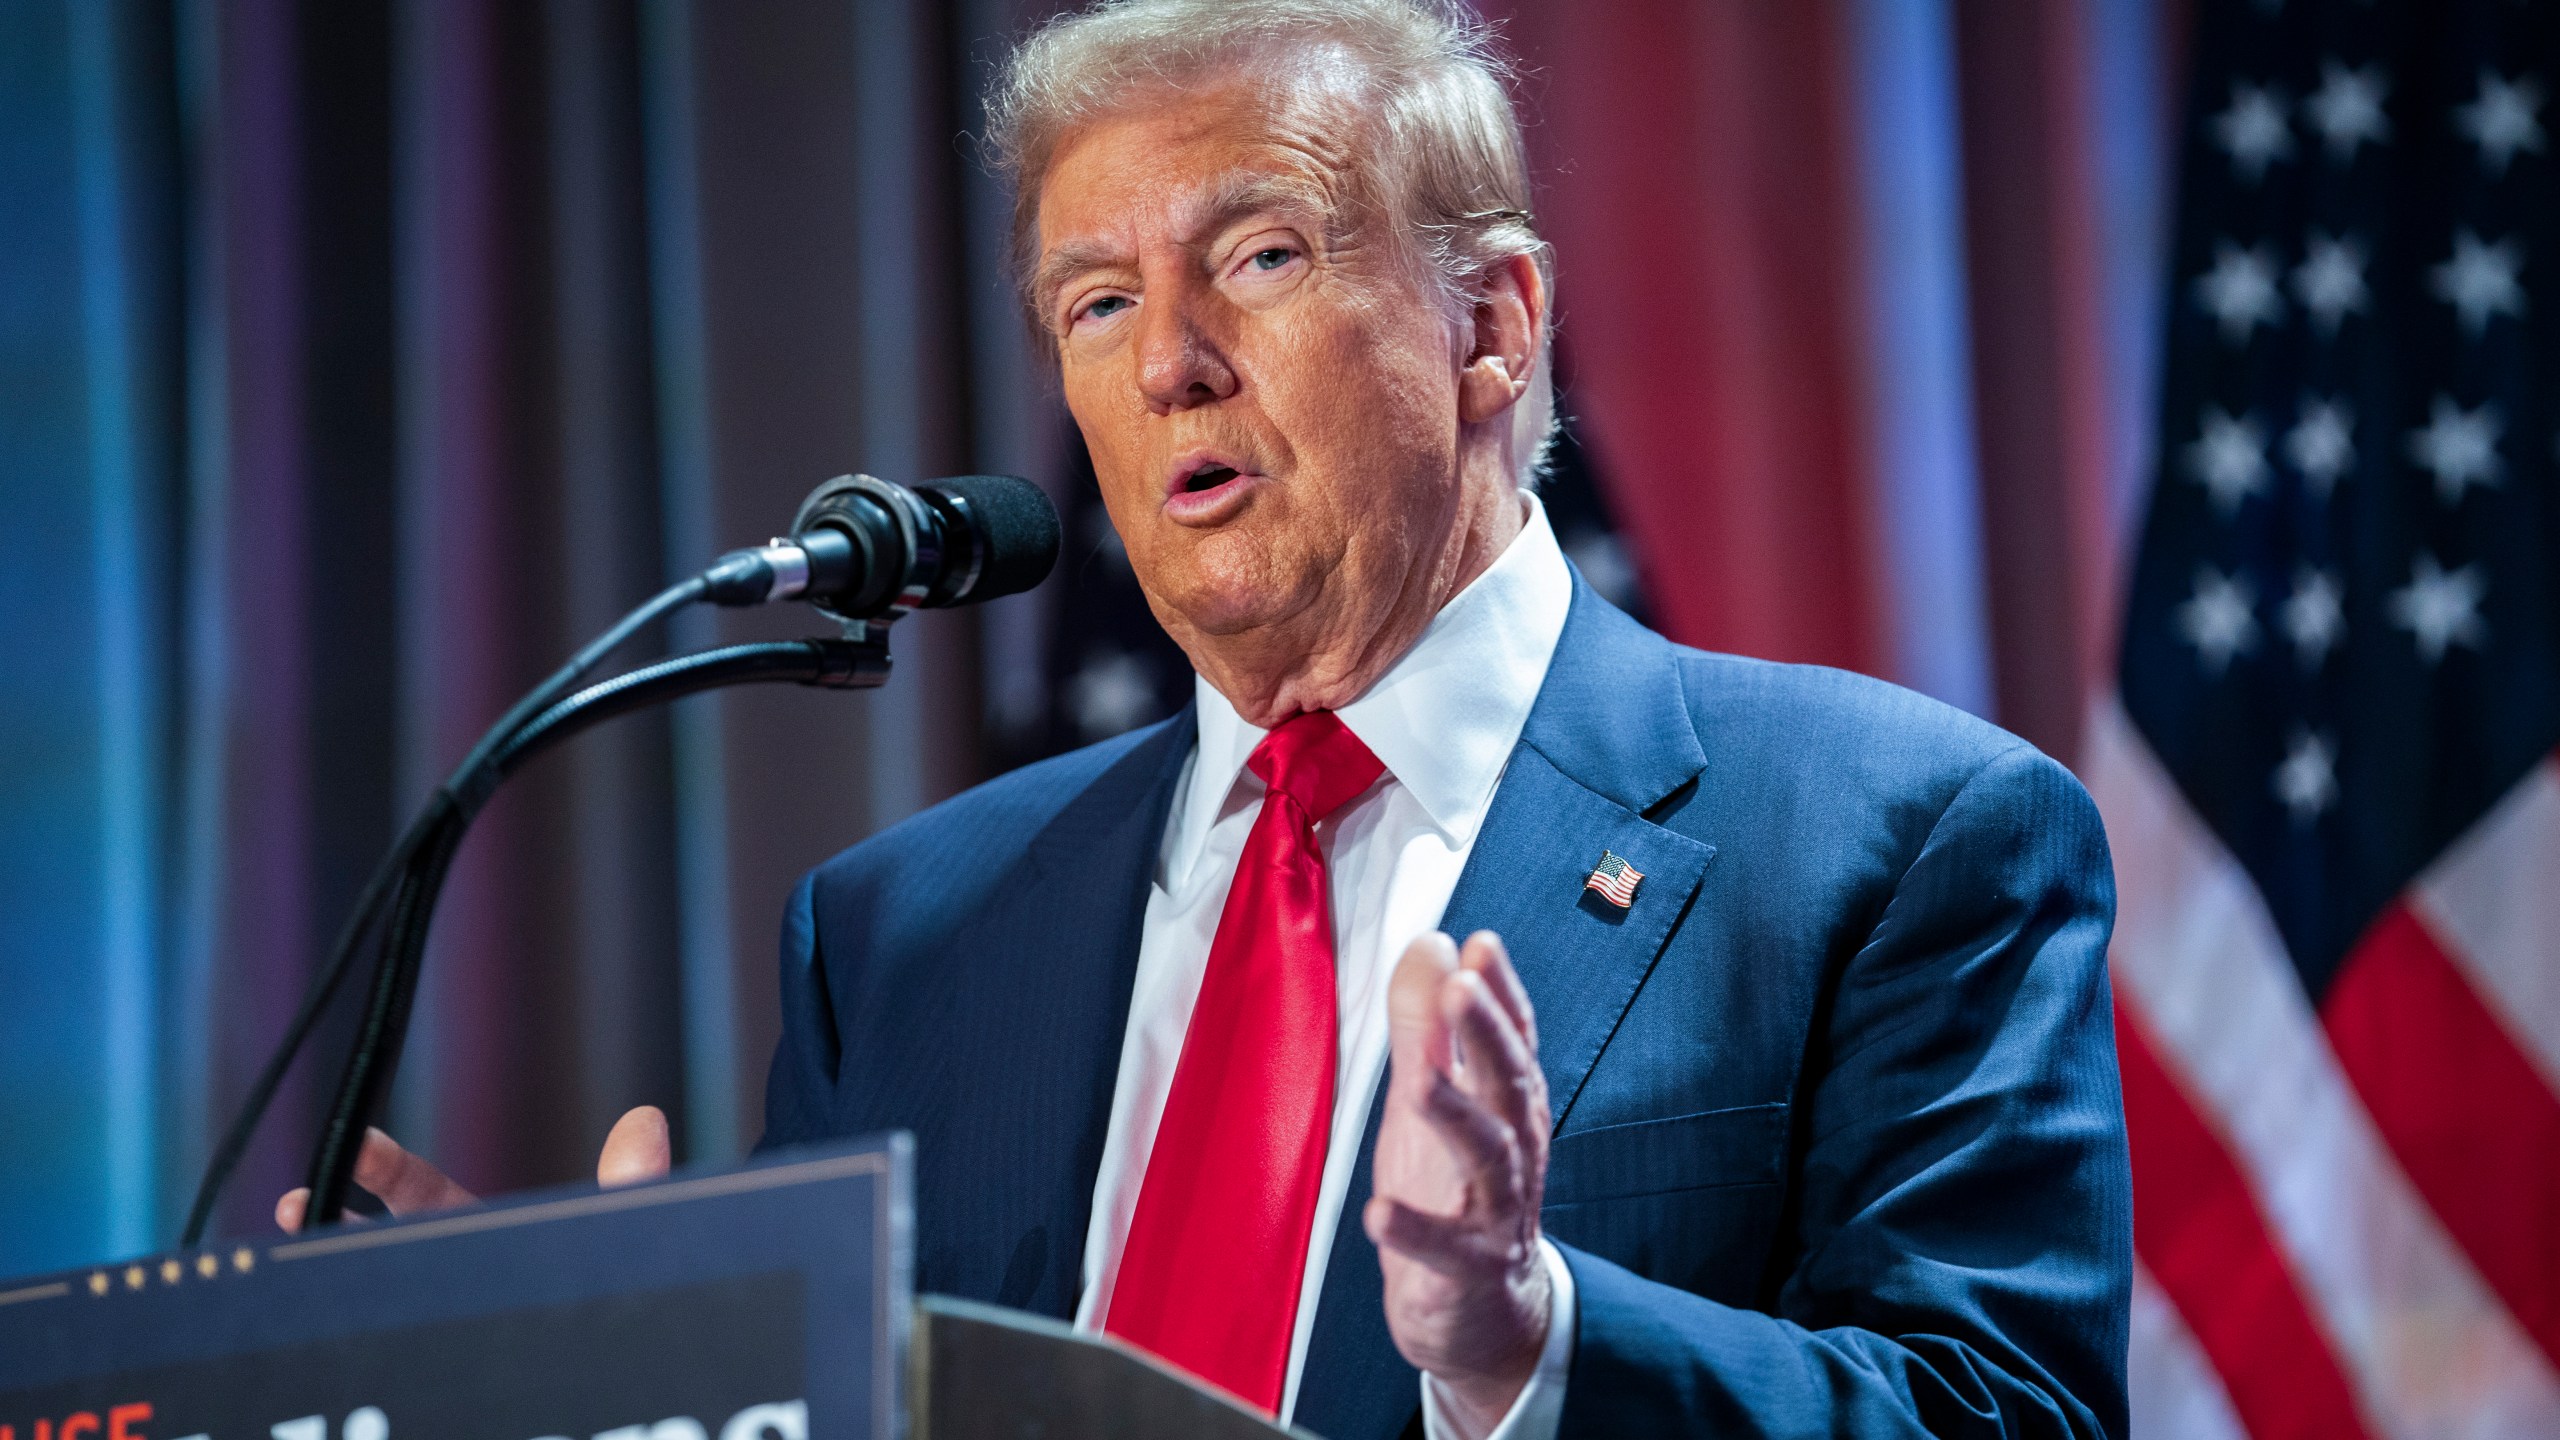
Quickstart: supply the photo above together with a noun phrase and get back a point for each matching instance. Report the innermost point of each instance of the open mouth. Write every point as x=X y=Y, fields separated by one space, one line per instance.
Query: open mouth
x=1202 y=488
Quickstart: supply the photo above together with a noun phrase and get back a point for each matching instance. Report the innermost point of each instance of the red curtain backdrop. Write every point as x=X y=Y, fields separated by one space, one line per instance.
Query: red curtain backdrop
x=1701 y=178
x=1695 y=162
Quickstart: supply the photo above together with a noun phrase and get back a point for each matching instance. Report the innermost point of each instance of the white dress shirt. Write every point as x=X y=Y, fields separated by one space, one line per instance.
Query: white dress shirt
x=1443 y=720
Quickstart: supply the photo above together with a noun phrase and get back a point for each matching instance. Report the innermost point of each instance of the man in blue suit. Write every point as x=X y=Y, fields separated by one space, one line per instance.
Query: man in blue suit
x=1773 y=1091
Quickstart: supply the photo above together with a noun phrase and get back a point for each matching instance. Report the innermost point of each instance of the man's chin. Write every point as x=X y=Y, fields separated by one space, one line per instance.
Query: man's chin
x=1231 y=609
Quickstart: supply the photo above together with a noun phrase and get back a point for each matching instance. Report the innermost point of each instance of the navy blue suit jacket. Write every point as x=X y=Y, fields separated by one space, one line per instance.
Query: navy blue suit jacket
x=1838 y=1148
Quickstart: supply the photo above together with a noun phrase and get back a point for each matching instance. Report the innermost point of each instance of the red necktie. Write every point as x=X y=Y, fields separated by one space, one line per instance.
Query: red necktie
x=1218 y=1244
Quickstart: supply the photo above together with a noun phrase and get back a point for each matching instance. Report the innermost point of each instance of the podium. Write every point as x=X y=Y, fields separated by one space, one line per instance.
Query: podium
x=772 y=1302
x=983 y=1373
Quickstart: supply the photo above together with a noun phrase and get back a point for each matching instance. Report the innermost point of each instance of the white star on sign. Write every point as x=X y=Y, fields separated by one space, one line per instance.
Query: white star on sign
x=2501 y=121
x=2307 y=781
x=2253 y=130
x=2330 y=280
x=2480 y=280
x=2240 y=290
x=2322 y=444
x=2440 y=609
x=1110 y=693
x=2313 y=617
x=2347 y=108
x=2460 y=447
x=2219 y=619
x=2229 y=459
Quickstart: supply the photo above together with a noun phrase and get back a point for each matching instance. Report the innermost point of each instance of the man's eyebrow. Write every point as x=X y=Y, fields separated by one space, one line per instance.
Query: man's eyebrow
x=1070 y=258
x=1234 y=198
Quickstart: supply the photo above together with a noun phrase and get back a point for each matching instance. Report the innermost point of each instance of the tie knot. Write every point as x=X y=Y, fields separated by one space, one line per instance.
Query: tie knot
x=1315 y=760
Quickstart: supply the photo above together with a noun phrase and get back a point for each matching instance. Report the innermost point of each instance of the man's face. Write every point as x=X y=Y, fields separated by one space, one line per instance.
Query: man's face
x=1268 y=389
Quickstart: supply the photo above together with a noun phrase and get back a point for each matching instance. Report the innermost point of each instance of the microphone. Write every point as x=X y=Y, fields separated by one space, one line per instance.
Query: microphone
x=866 y=549
x=860 y=550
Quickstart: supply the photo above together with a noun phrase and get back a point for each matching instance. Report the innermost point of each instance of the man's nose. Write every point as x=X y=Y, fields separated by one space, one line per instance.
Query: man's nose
x=1180 y=365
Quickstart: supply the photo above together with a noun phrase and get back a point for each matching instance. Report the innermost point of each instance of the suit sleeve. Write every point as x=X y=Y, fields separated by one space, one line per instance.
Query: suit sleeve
x=803 y=1077
x=1958 y=1254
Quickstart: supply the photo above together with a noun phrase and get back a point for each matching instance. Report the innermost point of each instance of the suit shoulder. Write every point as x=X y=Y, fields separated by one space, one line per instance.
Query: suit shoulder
x=1831 y=787
x=1829 y=718
x=1815 y=740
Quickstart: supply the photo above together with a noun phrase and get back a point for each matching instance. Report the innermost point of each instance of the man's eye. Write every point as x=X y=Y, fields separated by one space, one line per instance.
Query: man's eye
x=1107 y=306
x=1273 y=258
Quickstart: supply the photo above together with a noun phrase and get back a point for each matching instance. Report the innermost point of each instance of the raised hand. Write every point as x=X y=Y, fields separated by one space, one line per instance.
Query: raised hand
x=637 y=1149
x=1461 y=1170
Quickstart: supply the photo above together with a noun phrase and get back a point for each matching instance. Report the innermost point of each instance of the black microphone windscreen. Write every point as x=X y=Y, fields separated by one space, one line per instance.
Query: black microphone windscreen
x=1021 y=527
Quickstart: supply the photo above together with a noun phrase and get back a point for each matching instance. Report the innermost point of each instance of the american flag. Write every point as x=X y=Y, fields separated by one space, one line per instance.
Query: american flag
x=1615 y=879
x=2330 y=780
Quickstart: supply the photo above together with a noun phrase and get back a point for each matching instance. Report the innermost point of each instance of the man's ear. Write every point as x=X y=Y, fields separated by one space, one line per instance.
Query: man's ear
x=1507 y=317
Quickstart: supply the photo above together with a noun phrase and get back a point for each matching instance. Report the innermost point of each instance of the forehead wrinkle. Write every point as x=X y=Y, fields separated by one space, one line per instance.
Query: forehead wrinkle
x=1243 y=194
x=1238 y=195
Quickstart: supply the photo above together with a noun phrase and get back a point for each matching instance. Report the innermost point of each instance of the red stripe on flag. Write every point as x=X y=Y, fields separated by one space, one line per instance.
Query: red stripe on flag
x=2473 y=1124
x=2198 y=1228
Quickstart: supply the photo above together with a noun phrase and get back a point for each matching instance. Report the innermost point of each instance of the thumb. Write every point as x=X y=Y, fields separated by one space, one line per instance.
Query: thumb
x=636 y=1150
x=1417 y=1034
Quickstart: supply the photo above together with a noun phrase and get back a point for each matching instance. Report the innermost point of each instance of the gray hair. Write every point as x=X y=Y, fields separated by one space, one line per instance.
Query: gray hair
x=1450 y=167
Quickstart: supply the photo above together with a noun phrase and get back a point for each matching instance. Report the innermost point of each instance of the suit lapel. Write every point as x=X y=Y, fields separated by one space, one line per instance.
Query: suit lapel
x=1066 y=943
x=1609 y=738
x=1580 y=957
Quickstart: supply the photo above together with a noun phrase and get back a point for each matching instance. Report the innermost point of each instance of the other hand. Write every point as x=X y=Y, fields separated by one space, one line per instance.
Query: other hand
x=636 y=1150
x=1461 y=1171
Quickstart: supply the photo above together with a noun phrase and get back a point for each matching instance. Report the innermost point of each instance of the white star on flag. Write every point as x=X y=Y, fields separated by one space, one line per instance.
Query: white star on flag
x=2440 y=609
x=2330 y=280
x=2313 y=617
x=2480 y=280
x=1604 y=564
x=2253 y=130
x=2219 y=619
x=2460 y=447
x=1110 y=693
x=2347 y=108
x=2321 y=444
x=2501 y=120
x=2229 y=459
x=2240 y=290
x=2307 y=781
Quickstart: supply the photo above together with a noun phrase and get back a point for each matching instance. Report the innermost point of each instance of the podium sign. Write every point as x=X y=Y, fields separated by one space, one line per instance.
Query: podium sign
x=769 y=1303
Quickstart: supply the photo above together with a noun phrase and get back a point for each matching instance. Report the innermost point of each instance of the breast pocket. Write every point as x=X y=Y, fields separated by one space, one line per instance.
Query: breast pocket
x=1691 y=1200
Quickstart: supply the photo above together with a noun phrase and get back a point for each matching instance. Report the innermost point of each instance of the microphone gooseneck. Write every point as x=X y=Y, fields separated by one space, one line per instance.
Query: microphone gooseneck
x=861 y=550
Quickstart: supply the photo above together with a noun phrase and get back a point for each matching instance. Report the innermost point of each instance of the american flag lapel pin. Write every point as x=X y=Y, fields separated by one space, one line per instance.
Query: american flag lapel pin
x=1615 y=879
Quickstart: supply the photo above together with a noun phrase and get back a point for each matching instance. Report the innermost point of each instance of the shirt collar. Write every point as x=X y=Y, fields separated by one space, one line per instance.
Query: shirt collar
x=1445 y=716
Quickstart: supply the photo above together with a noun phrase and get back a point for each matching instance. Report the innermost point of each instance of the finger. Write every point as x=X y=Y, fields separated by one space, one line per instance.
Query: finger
x=405 y=1183
x=636 y=1150
x=1416 y=1036
x=1488 y=1147
x=1488 y=1042
x=292 y=1208
x=1451 y=1247
x=1500 y=1071
x=1505 y=1078
x=1485 y=954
